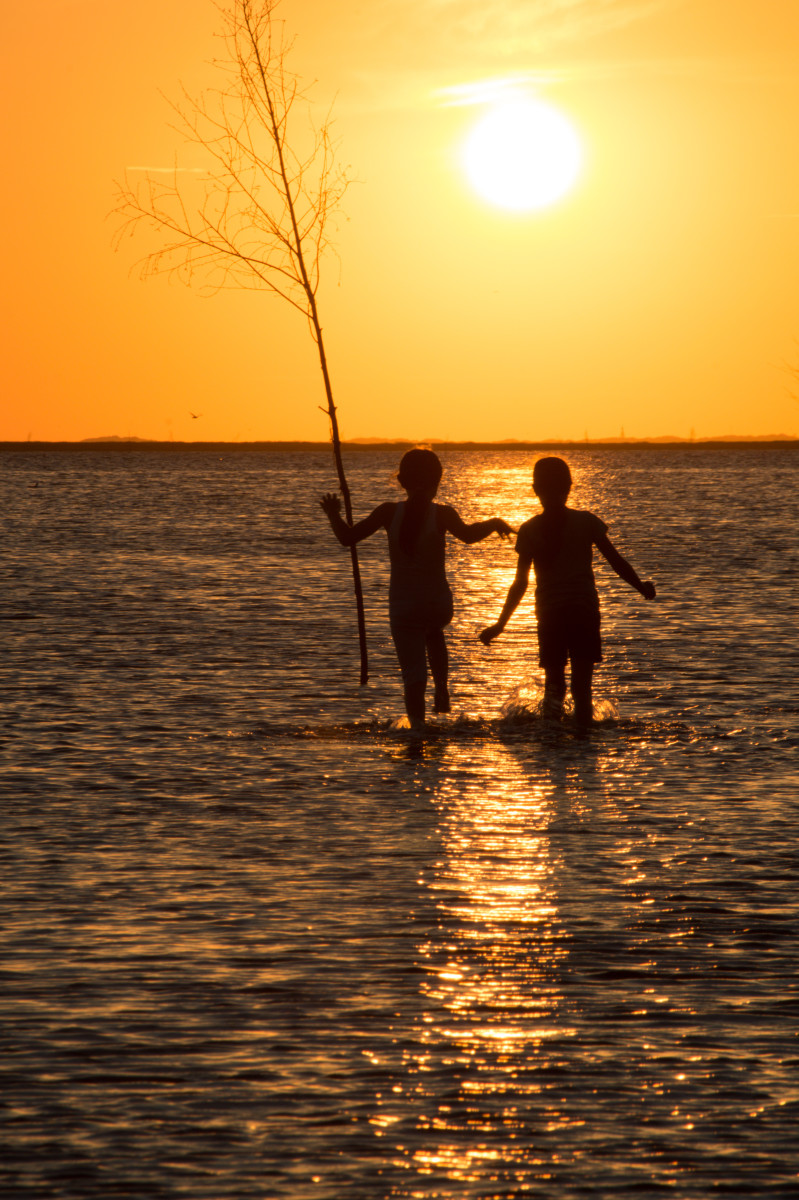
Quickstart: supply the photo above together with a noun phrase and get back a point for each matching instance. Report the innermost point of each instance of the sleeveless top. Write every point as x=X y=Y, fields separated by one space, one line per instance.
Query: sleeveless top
x=418 y=579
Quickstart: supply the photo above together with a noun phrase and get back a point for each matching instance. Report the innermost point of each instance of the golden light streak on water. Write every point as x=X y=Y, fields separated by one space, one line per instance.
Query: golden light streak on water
x=490 y=997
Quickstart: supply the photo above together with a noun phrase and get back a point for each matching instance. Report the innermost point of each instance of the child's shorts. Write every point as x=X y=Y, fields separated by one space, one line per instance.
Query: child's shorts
x=410 y=630
x=571 y=631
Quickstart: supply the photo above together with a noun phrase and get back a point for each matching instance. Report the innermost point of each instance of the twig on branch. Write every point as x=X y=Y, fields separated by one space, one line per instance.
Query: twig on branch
x=259 y=216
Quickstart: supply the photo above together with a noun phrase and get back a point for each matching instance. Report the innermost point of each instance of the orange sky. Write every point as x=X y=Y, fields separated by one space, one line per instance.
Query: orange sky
x=660 y=297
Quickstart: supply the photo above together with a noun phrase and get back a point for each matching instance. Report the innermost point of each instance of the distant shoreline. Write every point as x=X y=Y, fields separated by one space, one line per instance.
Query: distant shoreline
x=132 y=445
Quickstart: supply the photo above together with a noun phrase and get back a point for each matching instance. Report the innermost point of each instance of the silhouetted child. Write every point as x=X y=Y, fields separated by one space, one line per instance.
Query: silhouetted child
x=419 y=597
x=559 y=543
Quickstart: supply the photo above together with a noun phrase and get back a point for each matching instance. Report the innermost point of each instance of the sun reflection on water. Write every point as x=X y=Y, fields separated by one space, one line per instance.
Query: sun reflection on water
x=489 y=991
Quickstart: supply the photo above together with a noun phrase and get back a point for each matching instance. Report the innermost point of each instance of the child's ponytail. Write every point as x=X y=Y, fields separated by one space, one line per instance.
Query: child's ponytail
x=420 y=474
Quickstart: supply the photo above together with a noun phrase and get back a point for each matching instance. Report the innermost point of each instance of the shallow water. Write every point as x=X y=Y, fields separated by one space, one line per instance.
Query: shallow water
x=262 y=942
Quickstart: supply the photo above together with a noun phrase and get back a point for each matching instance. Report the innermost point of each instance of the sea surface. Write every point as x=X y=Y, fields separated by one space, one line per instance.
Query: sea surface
x=259 y=940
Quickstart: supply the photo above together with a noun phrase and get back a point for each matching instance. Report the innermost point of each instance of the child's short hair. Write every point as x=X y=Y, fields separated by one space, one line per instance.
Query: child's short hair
x=420 y=470
x=552 y=474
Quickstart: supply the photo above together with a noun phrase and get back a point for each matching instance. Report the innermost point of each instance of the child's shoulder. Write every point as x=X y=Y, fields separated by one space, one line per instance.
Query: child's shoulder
x=531 y=524
x=529 y=535
x=587 y=516
x=384 y=513
x=587 y=521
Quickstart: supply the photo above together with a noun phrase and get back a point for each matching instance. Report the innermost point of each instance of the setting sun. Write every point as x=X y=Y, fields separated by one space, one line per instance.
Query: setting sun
x=523 y=154
x=617 y=177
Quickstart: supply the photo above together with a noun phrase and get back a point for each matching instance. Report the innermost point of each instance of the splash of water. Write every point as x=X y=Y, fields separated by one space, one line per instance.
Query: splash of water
x=526 y=703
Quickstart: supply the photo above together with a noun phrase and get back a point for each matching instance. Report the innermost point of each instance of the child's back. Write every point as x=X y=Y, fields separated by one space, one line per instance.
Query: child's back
x=418 y=566
x=560 y=544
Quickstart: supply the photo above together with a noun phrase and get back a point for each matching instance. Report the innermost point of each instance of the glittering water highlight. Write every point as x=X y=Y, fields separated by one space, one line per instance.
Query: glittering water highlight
x=259 y=941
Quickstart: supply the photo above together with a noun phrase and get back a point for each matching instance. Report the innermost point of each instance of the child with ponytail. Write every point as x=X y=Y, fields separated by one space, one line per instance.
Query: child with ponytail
x=419 y=597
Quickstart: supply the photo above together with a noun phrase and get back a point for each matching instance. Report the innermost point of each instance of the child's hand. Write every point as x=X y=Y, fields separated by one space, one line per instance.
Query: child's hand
x=488 y=635
x=502 y=528
x=648 y=590
x=330 y=505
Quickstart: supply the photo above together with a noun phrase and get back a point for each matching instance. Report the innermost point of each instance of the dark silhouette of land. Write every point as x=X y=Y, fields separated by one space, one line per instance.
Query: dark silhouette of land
x=133 y=444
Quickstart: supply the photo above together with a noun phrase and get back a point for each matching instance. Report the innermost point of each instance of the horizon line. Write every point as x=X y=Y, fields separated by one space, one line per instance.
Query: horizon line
x=366 y=443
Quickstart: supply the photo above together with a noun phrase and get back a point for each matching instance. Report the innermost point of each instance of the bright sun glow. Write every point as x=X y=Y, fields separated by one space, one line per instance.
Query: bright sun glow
x=522 y=155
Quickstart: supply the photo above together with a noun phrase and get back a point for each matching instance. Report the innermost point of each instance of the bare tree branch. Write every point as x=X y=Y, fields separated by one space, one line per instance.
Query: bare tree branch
x=259 y=216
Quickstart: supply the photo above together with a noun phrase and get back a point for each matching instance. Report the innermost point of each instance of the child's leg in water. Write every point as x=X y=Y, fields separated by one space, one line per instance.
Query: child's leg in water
x=409 y=641
x=438 y=658
x=582 y=676
x=414 y=703
x=554 y=692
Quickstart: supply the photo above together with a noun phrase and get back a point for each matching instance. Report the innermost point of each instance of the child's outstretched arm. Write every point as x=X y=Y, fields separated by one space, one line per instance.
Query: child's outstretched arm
x=515 y=593
x=348 y=535
x=624 y=569
x=475 y=532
